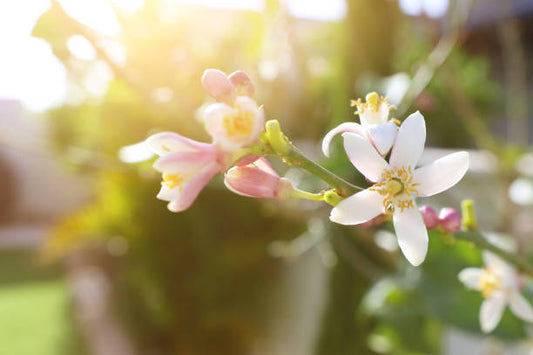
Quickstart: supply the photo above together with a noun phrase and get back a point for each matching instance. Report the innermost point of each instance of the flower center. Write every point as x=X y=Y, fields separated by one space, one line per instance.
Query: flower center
x=240 y=124
x=397 y=188
x=172 y=180
x=489 y=282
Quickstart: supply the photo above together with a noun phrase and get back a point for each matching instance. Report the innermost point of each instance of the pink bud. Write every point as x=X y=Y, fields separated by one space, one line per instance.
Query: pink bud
x=431 y=220
x=259 y=180
x=450 y=219
x=218 y=85
x=242 y=82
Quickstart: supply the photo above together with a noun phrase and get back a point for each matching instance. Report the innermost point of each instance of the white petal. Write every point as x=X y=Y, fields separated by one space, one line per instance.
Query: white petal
x=135 y=153
x=470 y=277
x=412 y=234
x=410 y=141
x=502 y=268
x=382 y=136
x=364 y=157
x=521 y=307
x=358 y=208
x=442 y=174
x=343 y=127
x=491 y=311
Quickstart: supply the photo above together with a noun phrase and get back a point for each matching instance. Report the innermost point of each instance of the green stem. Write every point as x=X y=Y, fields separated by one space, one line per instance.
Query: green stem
x=297 y=159
x=479 y=241
x=296 y=193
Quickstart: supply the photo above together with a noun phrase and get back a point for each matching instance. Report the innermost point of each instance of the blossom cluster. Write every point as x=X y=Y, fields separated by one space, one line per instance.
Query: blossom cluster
x=385 y=151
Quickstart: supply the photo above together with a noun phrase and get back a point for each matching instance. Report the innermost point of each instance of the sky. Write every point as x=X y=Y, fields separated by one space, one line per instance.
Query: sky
x=29 y=71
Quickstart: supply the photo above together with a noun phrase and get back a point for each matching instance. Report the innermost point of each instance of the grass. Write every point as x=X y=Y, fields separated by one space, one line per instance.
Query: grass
x=35 y=309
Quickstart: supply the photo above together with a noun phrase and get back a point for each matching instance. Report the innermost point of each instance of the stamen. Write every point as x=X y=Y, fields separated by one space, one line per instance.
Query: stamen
x=489 y=282
x=240 y=124
x=393 y=184
x=172 y=180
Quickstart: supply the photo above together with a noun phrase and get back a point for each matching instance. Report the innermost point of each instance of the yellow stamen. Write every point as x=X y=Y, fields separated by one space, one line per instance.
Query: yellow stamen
x=240 y=124
x=489 y=282
x=394 y=183
x=172 y=180
x=403 y=204
x=372 y=98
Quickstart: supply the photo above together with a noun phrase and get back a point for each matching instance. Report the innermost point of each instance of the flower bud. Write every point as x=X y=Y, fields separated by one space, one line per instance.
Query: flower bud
x=218 y=85
x=450 y=219
x=258 y=180
x=242 y=83
x=431 y=220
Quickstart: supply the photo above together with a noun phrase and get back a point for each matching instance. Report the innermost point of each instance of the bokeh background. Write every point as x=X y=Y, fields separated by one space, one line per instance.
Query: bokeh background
x=92 y=263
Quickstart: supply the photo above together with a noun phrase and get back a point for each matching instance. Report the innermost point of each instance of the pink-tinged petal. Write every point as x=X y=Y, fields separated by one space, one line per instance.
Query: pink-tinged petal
x=521 y=307
x=179 y=162
x=218 y=85
x=166 y=142
x=263 y=164
x=412 y=234
x=382 y=136
x=364 y=157
x=358 y=208
x=409 y=143
x=470 y=277
x=242 y=82
x=193 y=188
x=491 y=311
x=351 y=127
x=251 y=181
x=442 y=174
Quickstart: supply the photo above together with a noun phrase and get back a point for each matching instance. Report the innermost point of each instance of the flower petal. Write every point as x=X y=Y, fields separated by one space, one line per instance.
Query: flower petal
x=135 y=153
x=521 y=307
x=442 y=174
x=166 y=142
x=343 y=127
x=410 y=141
x=234 y=127
x=502 y=268
x=251 y=181
x=218 y=85
x=491 y=311
x=358 y=208
x=179 y=162
x=193 y=188
x=470 y=277
x=412 y=234
x=382 y=136
x=364 y=157
x=263 y=164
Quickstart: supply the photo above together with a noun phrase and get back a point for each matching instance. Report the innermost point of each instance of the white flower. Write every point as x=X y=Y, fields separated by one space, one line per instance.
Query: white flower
x=500 y=284
x=375 y=125
x=235 y=125
x=397 y=183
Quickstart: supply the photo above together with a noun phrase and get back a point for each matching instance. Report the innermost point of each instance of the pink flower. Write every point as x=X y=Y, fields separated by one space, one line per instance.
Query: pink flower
x=186 y=165
x=259 y=180
x=236 y=120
